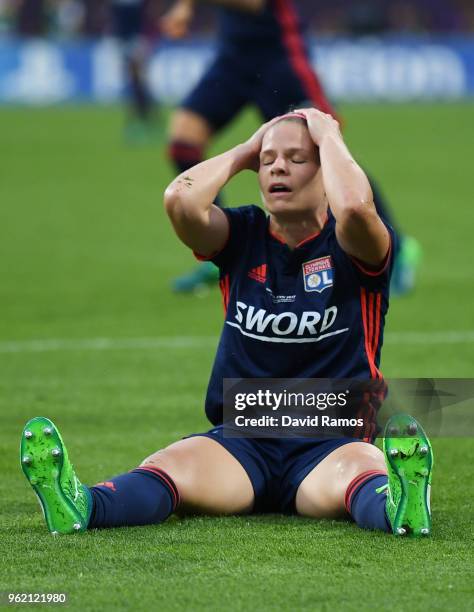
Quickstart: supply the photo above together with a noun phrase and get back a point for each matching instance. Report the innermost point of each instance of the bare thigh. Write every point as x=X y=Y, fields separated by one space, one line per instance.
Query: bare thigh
x=190 y=127
x=322 y=492
x=209 y=479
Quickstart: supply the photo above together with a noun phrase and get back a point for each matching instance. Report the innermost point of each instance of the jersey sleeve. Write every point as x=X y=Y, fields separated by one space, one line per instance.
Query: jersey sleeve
x=244 y=222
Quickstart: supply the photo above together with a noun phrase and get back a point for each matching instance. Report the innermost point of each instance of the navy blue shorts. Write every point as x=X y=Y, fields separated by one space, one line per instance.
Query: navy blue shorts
x=235 y=80
x=276 y=467
x=128 y=20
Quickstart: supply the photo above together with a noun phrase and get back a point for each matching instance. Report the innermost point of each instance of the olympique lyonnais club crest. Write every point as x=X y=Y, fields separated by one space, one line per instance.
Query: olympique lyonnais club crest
x=318 y=274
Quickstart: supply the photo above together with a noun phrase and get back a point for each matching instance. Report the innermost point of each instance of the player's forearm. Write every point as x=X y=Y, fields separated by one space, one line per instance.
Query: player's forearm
x=195 y=190
x=252 y=6
x=347 y=187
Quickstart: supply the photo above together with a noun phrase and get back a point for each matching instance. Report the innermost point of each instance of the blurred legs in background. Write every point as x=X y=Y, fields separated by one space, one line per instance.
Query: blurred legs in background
x=128 y=19
x=189 y=136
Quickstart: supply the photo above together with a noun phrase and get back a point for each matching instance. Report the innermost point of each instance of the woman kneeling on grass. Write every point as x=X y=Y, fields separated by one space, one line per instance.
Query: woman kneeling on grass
x=321 y=218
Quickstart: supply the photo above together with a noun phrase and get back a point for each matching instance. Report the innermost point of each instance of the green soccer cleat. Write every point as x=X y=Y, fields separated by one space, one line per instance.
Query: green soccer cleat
x=66 y=503
x=409 y=460
x=205 y=275
x=406 y=266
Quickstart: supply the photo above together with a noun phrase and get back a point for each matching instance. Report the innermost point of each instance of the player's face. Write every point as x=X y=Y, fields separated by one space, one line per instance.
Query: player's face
x=288 y=174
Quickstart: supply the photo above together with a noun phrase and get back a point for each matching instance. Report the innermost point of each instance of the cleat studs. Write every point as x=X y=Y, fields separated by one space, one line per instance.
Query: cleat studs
x=77 y=526
x=393 y=452
x=33 y=481
x=412 y=429
x=423 y=450
x=28 y=434
x=401 y=531
x=393 y=431
x=26 y=460
x=47 y=431
x=425 y=531
x=56 y=452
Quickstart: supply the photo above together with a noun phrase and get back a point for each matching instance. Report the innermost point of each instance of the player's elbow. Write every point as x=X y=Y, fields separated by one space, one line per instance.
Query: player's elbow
x=170 y=199
x=357 y=205
x=181 y=211
x=356 y=210
x=174 y=200
x=357 y=217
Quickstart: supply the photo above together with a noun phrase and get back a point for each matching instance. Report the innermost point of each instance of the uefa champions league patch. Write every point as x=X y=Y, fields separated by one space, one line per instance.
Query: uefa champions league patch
x=318 y=274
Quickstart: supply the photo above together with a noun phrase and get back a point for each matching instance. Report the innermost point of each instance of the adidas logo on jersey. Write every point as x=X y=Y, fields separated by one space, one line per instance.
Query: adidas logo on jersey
x=259 y=273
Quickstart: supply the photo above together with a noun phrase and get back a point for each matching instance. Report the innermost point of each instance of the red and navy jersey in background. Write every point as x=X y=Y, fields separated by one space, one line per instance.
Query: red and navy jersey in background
x=277 y=20
x=261 y=60
x=310 y=312
x=261 y=40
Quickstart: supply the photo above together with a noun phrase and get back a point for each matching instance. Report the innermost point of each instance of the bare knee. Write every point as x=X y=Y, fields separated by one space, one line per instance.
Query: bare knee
x=164 y=460
x=175 y=463
x=209 y=479
x=322 y=492
x=350 y=460
x=189 y=127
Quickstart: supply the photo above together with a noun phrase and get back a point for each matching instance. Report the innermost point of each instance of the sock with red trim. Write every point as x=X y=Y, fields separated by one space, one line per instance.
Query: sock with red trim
x=365 y=504
x=184 y=156
x=144 y=496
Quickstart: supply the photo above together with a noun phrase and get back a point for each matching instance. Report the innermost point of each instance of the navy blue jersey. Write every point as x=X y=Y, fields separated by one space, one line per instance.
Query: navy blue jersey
x=310 y=312
x=128 y=18
x=278 y=21
x=262 y=59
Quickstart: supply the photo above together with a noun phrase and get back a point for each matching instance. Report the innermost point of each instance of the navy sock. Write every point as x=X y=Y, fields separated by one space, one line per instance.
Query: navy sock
x=364 y=504
x=184 y=156
x=144 y=496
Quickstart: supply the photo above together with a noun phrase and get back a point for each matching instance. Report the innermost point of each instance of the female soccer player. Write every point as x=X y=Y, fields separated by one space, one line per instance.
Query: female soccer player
x=306 y=292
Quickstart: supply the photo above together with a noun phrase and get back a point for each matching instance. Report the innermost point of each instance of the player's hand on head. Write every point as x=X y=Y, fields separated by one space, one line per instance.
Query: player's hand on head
x=319 y=124
x=176 y=21
x=253 y=145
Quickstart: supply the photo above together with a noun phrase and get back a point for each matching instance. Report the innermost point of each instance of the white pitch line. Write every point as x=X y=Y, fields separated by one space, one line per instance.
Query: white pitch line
x=441 y=337
x=200 y=342
x=107 y=344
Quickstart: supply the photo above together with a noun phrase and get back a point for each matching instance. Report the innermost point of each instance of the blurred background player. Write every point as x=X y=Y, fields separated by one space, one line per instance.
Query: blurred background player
x=261 y=60
x=133 y=24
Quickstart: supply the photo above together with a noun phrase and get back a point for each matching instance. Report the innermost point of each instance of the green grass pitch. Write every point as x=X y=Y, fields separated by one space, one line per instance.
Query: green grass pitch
x=86 y=253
